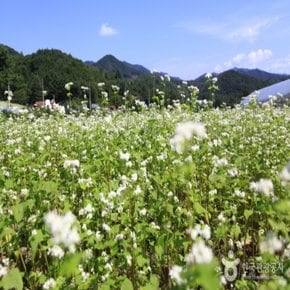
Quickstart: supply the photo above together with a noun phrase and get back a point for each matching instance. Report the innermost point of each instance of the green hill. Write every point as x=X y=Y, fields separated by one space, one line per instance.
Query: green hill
x=123 y=68
x=51 y=69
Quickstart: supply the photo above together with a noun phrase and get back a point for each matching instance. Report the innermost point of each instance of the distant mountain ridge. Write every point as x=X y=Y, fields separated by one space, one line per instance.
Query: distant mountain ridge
x=126 y=70
x=261 y=74
x=25 y=74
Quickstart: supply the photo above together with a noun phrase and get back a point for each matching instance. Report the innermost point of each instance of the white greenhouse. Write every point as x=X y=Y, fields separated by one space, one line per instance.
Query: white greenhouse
x=280 y=90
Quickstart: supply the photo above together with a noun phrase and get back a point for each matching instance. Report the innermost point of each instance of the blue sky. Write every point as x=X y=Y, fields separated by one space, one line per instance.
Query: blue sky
x=184 y=38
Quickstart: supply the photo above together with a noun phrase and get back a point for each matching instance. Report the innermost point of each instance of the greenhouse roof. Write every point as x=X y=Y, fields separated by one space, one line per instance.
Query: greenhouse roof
x=263 y=95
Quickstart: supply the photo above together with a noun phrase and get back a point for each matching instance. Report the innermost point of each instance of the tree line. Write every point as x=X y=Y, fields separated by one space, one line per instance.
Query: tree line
x=50 y=69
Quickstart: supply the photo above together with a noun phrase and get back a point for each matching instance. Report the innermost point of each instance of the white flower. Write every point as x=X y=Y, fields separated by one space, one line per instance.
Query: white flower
x=204 y=231
x=264 y=186
x=24 y=192
x=71 y=163
x=239 y=193
x=187 y=129
x=129 y=260
x=104 y=94
x=184 y=132
x=134 y=177
x=221 y=217
x=63 y=230
x=194 y=89
x=50 y=283
x=271 y=244
x=106 y=228
x=108 y=267
x=115 y=88
x=208 y=75
x=68 y=86
x=124 y=156
x=119 y=237
x=98 y=236
x=212 y=192
x=154 y=226
x=167 y=77
x=143 y=211
x=285 y=173
x=177 y=143
x=174 y=274
x=85 y=182
x=200 y=253
x=233 y=172
x=138 y=190
x=56 y=251
x=219 y=162
x=194 y=232
x=3 y=270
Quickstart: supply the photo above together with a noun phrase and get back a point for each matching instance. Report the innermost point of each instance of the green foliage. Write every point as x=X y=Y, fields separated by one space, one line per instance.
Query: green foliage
x=12 y=280
x=137 y=201
x=51 y=69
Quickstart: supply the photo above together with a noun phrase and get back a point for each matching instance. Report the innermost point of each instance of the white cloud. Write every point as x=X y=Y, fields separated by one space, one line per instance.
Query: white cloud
x=249 y=32
x=107 y=30
x=247 y=60
x=233 y=31
x=280 y=65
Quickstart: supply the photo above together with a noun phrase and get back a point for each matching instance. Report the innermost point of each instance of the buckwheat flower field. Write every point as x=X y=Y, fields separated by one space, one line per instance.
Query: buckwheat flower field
x=160 y=199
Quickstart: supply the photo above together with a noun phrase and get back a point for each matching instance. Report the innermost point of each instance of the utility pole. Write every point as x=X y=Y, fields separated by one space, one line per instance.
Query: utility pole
x=90 y=99
x=42 y=92
x=9 y=94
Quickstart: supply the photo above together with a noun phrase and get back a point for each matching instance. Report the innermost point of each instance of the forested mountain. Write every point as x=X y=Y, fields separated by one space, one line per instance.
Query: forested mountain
x=122 y=68
x=263 y=75
x=47 y=69
x=234 y=84
x=51 y=69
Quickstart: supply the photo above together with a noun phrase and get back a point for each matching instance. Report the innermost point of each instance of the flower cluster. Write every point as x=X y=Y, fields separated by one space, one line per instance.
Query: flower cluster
x=63 y=230
x=184 y=132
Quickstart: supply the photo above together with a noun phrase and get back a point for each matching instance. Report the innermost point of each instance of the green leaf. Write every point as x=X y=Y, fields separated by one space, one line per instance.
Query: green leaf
x=248 y=213
x=169 y=209
x=70 y=265
x=35 y=241
x=7 y=233
x=283 y=206
x=159 y=250
x=18 y=211
x=207 y=277
x=141 y=261
x=12 y=280
x=220 y=231
x=204 y=275
x=50 y=186
x=153 y=284
x=236 y=230
x=127 y=285
x=198 y=208
x=9 y=184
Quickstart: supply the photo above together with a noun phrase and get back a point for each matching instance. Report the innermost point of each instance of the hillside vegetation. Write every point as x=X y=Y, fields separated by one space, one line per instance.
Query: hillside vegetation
x=51 y=69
